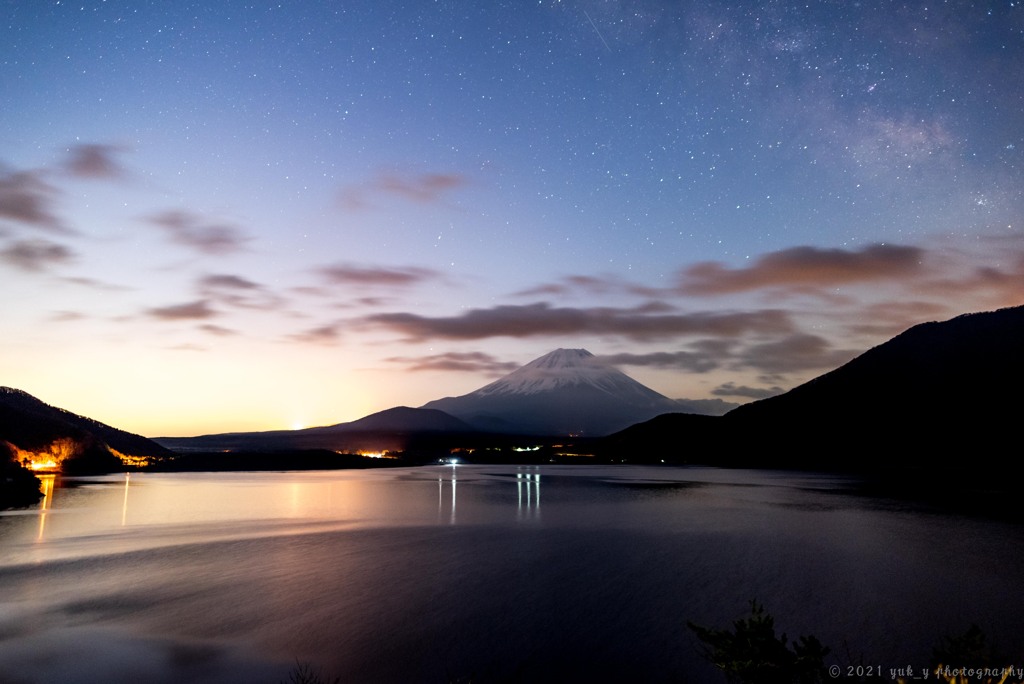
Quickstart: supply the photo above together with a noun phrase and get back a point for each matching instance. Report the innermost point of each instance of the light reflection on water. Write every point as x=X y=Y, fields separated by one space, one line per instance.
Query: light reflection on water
x=46 y=504
x=376 y=576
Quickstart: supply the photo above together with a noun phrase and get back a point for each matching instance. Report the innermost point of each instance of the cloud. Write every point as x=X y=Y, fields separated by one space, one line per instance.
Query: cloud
x=706 y=407
x=793 y=353
x=344 y=274
x=425 y=188
x=197 y=310
x=541 y=319
x=186 y=346
x=309 y=291
x=26 y=198
x=695 y=362
x=324 y=334
x=194 y=232
x=371 y=301
x=36 y=255
x=93 y=161
x=585 y=284
x=804 y=267
x=229 y=282
x=237 y=291
x=217 y=330
x=992 y=287
x=475 y=362
x=887 y=319
x=95 y=284
x=729 y=389
x=66 y=316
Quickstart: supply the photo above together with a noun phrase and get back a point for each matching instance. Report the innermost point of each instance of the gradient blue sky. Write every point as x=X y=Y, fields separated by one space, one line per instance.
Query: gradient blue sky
x=233 y=216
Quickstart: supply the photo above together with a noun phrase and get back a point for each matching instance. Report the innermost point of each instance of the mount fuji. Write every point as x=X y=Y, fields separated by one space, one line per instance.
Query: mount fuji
x=564 y=392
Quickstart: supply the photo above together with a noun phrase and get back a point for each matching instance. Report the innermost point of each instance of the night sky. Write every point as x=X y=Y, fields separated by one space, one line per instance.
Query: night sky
x=234 y=216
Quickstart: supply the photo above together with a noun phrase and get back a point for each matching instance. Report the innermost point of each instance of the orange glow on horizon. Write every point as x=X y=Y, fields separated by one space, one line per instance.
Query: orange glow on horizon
x=375 y=454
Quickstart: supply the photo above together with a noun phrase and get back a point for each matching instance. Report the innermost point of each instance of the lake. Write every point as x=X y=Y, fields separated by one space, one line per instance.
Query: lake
x=483 y=574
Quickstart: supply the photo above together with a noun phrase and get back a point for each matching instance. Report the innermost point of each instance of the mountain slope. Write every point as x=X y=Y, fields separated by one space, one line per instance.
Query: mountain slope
x=392 y=430
x=40 y=432
x=938 y=387
x=564 y=392
x=399 y=419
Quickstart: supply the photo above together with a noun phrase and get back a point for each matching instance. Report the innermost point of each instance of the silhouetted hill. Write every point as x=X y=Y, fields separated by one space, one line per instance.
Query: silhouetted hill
x=937 y=393
x=34 y=429
x=673 y=438
x=400 y=419
x=393 y=429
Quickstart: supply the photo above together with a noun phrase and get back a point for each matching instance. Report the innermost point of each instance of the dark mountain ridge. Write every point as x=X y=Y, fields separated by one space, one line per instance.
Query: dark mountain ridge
x=393 y=429
x=937 y=394
x=940 y=384
x=30 y=428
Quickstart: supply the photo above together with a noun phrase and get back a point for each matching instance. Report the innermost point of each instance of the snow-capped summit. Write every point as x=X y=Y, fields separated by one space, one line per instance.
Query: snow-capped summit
x=566 y=368
x=567 y=391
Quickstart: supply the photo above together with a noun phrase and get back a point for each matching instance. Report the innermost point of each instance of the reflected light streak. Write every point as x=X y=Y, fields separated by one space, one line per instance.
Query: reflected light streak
x=440 y=496
x=454 y=482
x=532 y=482
x=47 y=482
x=295 y=499
x=124 y=506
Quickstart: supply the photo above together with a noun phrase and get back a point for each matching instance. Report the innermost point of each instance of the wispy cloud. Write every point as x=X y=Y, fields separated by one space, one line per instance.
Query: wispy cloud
x=194 y=232
x=328 y=334
x=711 y=355
x=423 y=188
x=802 y=268
x=474 y=362
x=66 y=316
x=324 y=334
x=994 y=286
x=93 y=161
x=189 y=347
x=237 y=291
x=889 y=318
x=347 y=274
x=542 y=319
x=36 y=255
x=793 y=353
x=730 y=389
x=197 y=310
x=217 y=330
x=587 y=285
x=26 y=197
x=95 y=284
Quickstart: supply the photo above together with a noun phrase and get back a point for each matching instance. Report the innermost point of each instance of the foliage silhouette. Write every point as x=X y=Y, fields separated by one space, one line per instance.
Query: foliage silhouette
x=305 y=674
x=750 y=653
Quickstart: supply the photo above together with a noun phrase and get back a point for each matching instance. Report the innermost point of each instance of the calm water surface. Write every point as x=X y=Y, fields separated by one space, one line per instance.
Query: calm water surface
x=488 y=574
